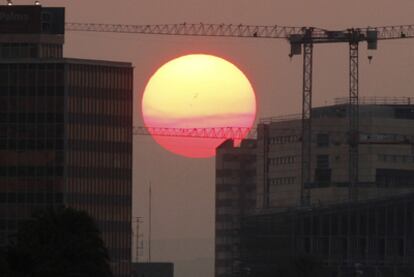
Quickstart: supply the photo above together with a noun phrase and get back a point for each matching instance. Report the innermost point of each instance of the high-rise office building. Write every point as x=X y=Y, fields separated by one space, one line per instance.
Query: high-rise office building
x=65 y=130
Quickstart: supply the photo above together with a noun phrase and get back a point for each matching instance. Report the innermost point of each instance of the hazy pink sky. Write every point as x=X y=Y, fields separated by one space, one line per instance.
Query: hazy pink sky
x=184 y=189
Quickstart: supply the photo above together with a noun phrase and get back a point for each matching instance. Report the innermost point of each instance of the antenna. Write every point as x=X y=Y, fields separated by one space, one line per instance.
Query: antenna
x=138 y=243
x=149 y=223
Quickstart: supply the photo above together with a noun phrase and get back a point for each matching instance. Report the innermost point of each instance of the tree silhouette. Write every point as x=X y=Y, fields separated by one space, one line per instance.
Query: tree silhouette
x=58 y=243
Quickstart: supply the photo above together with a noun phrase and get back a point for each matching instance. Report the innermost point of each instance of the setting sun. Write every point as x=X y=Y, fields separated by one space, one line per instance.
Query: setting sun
x=197 y=91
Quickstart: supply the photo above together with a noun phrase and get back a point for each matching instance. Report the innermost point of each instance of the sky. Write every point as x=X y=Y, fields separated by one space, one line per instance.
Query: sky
x=183 y=189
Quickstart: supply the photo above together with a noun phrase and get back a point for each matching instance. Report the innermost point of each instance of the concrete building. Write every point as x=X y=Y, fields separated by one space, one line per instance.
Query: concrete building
x=235 y=196
x=385 y=154
x=156 y=269
x=65 y=130
x=278 y=227
x=372 y=238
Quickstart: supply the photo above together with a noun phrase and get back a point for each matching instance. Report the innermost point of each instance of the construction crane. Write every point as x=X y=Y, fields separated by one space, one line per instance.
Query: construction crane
x=237 y=133
x=300 y=39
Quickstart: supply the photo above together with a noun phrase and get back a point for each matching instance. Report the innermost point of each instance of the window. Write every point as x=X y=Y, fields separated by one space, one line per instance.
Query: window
x=387 y=158
x=322 y=176
x=322 y=161
x=282 y=160
x=282 y=181
x=322 y=140
x=283 y=139
x=394 y=177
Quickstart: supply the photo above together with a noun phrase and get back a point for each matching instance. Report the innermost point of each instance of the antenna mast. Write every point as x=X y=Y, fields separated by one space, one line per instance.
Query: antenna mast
x=149 y=224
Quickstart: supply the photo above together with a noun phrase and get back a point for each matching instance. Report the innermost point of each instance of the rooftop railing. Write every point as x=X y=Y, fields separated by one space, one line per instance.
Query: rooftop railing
x=375 y=100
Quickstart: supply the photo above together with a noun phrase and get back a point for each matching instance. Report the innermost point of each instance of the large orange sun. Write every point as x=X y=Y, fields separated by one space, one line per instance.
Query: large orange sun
x=197 y=91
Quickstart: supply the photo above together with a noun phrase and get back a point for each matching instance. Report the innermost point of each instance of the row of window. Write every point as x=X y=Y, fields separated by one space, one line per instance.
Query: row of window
x=100 y=173
x=241 y=158
x=30 y=50
x=284 y=139
x=247 y=175
x=33 y=79
x=282 y=160
x=97 y=76
x=396 y=158
x=18 y=50
x=100 y=119
x=48 y=90
x=100 y=132
x=101 y=93
x=30 y=136
x=378 y=248
x=31 y=144
x=31 y=117
x=91 y=105
x=30 y=171
x=394 y=177
x=99 y=199
x=40 y=91
x=107 y=226
x=31 y=131
x=50 y=50
x=30 y=198
x=282 y=181
x=31 y=75
x=322 y=140
x=99 y=146
x=374 y=222
x=99 y=159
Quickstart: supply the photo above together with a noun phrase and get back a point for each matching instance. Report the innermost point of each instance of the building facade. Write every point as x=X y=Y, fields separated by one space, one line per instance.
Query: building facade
x=152 y=269
x=65 y=131
x=371 y=235
x=235 y=196
x=385 y=154
x=372 y=238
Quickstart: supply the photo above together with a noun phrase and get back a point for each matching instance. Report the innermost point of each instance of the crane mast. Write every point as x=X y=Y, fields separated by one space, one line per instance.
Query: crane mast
x=299 y=38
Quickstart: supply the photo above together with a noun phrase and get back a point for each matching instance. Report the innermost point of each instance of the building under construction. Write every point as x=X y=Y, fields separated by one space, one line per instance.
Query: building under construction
x=367 y=234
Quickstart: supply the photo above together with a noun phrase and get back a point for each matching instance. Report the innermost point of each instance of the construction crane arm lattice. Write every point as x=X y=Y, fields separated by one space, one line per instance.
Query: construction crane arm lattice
x=213 y=133
x=392 y=32
x=247 y=31
x=195 y=29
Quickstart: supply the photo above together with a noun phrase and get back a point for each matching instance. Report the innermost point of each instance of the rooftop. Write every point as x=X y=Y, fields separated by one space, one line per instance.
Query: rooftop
x=66 y=60
x=370 y=106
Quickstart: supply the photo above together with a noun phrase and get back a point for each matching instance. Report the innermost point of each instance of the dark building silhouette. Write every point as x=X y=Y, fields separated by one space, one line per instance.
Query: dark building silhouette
x=65 y=130
x=372 y=238
x=370 y=235
x=235 y=197
x=156 y=269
